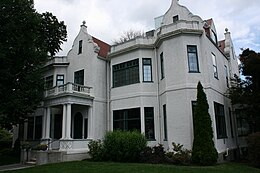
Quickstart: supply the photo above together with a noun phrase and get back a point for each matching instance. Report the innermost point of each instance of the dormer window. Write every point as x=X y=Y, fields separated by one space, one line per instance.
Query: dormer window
x=214 y=37
x=80 y=47
x=175 y=18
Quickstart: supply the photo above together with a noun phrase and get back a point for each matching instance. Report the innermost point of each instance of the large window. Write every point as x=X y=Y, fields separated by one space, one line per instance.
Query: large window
x=193 y=59
x=60 y=80
x=80 y=47
x=147 y=69
x=79 y=77
x=149 y=122
x=162 y=65
x=49 y=82
x=220 y=120
x=126 y=73
x=127 y=119
x=165 y=123
x=215 y=69
x=243 y=127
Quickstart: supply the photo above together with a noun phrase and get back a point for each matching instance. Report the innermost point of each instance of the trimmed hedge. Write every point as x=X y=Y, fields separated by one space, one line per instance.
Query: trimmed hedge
x=254 y=149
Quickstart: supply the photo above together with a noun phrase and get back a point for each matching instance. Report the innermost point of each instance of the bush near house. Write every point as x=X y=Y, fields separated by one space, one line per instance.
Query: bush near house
x=254 y=149
x=118 y=146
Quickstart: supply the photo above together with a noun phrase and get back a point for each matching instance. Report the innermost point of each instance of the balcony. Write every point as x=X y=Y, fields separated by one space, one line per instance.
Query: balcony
x=68 y=88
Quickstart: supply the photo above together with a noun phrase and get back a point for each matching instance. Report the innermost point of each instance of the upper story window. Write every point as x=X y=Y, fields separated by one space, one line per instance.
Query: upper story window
x=175 y=18
x=226 y=75
x=126 y=73
x=60 y=80
x=79 y=77
x=220 y=120
x=49 y=82
x=193 y=59
x=80 y=47
x=214 y=37
x=215 y=69
x=147 y=69
x=162 y=65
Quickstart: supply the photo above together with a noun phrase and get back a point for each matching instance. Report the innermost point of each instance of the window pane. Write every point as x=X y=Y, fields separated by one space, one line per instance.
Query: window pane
x=38 y=127
x=60 y=80
x=147 y=70
x=165 y=123
x=126 y=73
x=192 y=59
x=220 y=120
x=149 y=123
x=162 y=65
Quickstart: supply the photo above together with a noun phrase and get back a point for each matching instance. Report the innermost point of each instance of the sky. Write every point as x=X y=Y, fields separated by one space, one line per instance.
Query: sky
x=108 y=19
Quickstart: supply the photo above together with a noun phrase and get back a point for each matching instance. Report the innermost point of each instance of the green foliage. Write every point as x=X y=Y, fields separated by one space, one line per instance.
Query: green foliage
x=154 y=155
x=42 y=147
x=254 y=149
x=245 y=92
x=203 y=150
x=179 y=155
x=96 y=150
x=122 y=146
x=5 y=135
x=27 y=39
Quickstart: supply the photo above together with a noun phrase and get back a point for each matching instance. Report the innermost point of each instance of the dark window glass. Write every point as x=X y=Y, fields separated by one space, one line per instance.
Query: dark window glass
x=38 y=127
x=175 y=18
x=149 y=123
x=49 y=82
x=78 y=123
x=30 y=128
x=60 y=80
x=220 y=120
x=162 y=65
x=147 y=69
x=57 y=126
x=215 y=69
x=80 y=47
x=126 y=73
x=86 y=128
x=79 y=77
x=193 y=59
x=165 y=123
x=127 y=119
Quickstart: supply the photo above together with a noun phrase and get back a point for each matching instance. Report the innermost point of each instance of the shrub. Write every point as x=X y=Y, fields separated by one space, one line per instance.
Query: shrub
x=153 y=155
x=254 y=149
x=42 y=147
x=203 y=150
x=124 y=146
x=179 y=155
x=96 y=150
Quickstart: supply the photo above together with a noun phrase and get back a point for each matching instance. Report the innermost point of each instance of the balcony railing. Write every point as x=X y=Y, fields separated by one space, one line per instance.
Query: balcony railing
x=68 y=88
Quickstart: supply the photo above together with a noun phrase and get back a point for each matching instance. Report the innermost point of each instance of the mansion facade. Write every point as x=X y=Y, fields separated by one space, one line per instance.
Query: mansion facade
x=148 y=83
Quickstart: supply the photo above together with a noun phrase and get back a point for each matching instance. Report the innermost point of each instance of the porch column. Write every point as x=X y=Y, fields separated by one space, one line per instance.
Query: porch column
x=44 y=123
x=90 y=123
x=48 y=120
x=68 y=123
x=64 y=117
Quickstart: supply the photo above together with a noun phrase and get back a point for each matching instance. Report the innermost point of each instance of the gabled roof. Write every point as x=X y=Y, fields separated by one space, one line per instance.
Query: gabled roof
x=104 y=47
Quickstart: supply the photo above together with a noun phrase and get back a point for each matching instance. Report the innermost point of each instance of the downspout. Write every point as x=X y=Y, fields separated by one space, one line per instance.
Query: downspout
x=157 y=94
x=108 y=94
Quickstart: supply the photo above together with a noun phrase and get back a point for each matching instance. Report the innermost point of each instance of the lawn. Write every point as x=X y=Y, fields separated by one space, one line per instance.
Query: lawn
x=101 y=167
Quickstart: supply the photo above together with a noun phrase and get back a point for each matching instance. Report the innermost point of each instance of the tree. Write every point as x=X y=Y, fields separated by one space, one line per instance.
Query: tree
x=245 y=92
x=27 y=40
x=203 y=150
x=129 y=35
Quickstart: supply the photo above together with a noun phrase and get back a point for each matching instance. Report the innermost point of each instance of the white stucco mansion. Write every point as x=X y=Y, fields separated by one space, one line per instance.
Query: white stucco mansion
x=147 y=83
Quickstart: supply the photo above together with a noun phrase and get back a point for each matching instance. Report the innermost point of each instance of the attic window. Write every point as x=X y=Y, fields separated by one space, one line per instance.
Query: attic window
x=80 y=47
x=175 y=18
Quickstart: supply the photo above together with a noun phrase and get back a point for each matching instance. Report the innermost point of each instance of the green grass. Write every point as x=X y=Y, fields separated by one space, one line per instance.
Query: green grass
x=101 y=167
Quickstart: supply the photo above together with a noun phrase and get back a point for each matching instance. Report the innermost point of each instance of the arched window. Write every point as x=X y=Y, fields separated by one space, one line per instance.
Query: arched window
x=78 y=123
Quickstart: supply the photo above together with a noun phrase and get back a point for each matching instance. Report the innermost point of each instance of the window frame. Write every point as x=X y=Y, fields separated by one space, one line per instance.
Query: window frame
x=220 y=120
x=162 y=65
x=165 y=123
x=80 y=50
x=126 y=73
x=49 y=82
x=79 y=75
x=149 y=122
x=59 y=80
x=150 y=69
x=214 y=63
x=189 y=58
